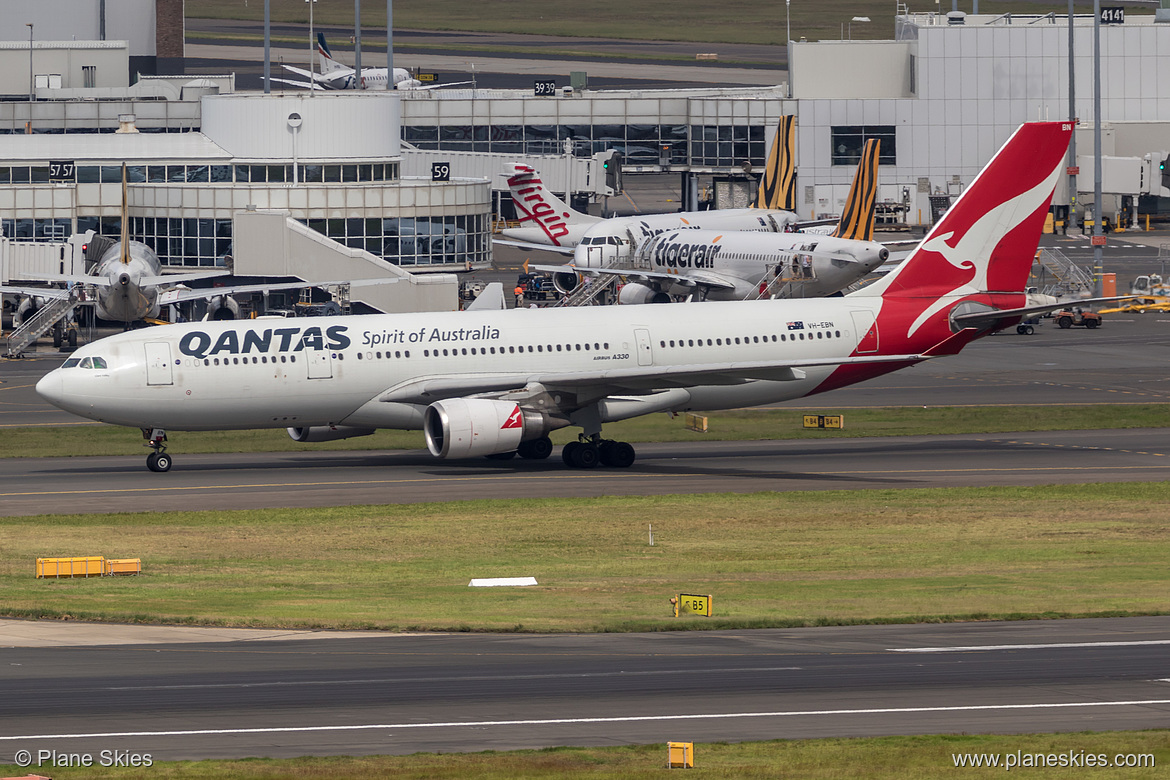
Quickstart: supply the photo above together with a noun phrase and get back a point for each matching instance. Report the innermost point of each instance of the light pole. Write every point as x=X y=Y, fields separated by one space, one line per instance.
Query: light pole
x=788 y=44
x=31 y=91
x=856 y=19
x=312 y=46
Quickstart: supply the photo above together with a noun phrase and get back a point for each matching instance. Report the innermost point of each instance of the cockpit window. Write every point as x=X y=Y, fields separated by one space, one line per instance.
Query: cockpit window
x=90 y=362
x=87 y=363
x=71 y=362
x=99 y=362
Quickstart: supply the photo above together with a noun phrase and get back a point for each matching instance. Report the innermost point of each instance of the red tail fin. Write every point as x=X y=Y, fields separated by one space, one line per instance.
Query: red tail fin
x=987 y=240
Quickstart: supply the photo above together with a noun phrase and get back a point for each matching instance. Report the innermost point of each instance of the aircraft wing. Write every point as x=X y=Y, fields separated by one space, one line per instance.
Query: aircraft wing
x=602 y=383
x=306 y=84
x=434 y=86
x=40 y=292
x=563 y=250
x=182 y=278
x=178 y=294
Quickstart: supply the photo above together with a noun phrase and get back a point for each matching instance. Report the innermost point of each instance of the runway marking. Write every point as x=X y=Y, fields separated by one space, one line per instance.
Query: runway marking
x=563 y=721
x=970 y=648
x=607 y=476
x=563 y=475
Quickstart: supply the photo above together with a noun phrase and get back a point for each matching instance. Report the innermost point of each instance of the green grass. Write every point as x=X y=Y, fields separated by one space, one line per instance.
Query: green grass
x=748 y=21
x=743 y=425
x=768 y=559
x=879 y=758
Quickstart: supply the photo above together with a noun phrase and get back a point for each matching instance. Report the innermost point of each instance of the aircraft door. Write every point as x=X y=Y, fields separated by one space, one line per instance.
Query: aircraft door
x=320 y=363
x=158 y=363
x=645 y=350
x=867 y=331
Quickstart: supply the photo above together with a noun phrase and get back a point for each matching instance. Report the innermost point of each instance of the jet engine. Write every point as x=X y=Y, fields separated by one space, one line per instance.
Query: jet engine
x=223 y=307
x=565 y=282
x=318 y=433
x=467 y=427
x=634 y=292
x=26 y=308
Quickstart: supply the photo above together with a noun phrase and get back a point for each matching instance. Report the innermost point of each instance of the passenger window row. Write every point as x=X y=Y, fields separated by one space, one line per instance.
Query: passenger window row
x=594 y=347
x=721 y=342
x=235 y=361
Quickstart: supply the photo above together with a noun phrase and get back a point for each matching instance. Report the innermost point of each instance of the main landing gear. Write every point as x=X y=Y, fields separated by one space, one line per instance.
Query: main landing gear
x=589 y=453
x=156 y=439
x=534 y=449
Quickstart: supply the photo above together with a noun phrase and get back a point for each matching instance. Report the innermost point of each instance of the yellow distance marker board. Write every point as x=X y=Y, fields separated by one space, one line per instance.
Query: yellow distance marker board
x=824 y=421
x=693 y=604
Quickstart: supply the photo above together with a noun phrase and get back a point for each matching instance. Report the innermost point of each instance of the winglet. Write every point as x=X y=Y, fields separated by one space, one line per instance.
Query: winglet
x=857 y=220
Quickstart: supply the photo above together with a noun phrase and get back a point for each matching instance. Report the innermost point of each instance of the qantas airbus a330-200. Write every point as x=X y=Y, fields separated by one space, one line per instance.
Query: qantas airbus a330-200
x=495 y=383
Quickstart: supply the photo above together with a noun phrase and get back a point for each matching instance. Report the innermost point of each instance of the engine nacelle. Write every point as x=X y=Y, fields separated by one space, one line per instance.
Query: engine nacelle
x=467 y=427
x=633 y=293
x=223 y=307
x=565 y=282
x=318 y=433
x=25 y=309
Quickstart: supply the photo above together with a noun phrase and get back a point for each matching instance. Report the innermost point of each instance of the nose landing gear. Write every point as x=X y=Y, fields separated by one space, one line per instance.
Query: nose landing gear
x=158 y=460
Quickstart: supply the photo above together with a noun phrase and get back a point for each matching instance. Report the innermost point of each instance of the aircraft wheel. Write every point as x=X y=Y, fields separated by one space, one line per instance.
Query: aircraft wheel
x=585 y=456
x=536 y=449
x=73 y=338
x=158 y=461
x=621 y=455
x=501 y=455
x=568 y=451
x=1029 y=330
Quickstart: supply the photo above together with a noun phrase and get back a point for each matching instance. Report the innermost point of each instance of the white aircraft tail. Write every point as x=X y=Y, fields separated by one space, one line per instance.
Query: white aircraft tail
x=536 y=205
x=328 y=64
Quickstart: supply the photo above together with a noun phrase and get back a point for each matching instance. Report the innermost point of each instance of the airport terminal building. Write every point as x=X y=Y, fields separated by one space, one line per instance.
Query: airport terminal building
x=337 y=171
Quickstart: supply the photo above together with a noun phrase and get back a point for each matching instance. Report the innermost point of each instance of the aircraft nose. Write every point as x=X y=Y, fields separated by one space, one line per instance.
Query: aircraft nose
x=51 y=387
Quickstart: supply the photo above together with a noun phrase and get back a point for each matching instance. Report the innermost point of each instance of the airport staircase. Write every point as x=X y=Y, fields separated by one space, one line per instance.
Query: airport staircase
x=590 y=289
x=1071 y=280
x=37 y=325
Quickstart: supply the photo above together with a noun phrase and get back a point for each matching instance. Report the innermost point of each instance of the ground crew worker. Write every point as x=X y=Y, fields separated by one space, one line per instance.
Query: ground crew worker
x=519 y=292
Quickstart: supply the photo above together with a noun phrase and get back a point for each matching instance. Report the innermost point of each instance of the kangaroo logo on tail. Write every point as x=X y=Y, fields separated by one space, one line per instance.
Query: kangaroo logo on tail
x=778 y=184
x=985 y=243
x=857 y=220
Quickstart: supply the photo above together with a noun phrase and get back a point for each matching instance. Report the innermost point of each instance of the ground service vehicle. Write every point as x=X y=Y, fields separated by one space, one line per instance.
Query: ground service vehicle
x=1066 y=318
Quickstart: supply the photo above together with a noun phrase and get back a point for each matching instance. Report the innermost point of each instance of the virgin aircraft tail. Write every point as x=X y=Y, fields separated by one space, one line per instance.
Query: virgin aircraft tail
x=857 y=219
x=778 y=184
x=537 y=207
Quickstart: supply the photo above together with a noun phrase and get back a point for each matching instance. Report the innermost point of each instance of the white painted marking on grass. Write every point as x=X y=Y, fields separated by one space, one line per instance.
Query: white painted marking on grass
x=1024 y=647
x=501 y=582
x=563 y=721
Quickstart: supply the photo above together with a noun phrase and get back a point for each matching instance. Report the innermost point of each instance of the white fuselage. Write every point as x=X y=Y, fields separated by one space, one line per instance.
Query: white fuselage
x=617 y=240
x=335 y=370
x=805 y=266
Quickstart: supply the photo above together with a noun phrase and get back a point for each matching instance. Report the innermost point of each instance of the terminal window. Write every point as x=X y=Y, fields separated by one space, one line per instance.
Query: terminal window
x=848 y=141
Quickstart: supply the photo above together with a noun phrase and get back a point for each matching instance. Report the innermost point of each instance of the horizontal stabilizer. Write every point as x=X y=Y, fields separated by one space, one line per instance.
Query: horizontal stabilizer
x=97 y=281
